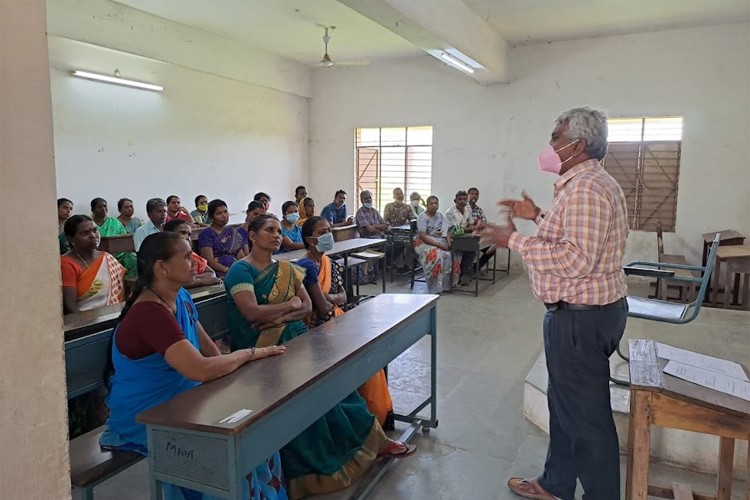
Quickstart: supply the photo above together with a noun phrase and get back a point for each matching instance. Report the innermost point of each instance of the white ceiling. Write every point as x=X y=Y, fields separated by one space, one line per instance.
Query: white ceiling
x=533 y=21
x=293 y=28
x=289 y=28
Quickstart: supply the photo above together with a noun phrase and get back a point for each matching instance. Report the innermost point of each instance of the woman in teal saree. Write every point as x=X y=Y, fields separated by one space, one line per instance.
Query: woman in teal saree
x=267 y=302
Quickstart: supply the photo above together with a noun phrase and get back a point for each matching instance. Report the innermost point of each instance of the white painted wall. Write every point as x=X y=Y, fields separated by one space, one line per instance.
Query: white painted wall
x=489 y=136
x=231 y=121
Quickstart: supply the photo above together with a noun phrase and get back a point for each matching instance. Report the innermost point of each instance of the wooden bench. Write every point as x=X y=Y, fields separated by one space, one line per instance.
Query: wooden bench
x=192 y=445
x=90 y=465
x=117 y=244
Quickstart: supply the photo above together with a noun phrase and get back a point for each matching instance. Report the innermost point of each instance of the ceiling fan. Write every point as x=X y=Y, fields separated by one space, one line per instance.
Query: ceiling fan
x=326 y=60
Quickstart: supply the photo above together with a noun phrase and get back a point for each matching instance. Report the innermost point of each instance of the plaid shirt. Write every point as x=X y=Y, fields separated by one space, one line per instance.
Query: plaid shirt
x=477 y=215
x=369 y=217
x=577 y=253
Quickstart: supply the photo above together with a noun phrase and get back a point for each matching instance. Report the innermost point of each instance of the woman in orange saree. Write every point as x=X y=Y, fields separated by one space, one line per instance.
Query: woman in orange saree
x=90 y=278
x=325 y=285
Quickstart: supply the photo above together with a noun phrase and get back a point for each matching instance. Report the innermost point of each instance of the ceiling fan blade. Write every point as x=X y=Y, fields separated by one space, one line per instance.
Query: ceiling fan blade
x=353 y=62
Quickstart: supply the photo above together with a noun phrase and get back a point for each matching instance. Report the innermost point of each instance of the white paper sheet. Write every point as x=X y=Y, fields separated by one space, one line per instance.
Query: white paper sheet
x=236 y=416
x=710 y=379
x=710 y=363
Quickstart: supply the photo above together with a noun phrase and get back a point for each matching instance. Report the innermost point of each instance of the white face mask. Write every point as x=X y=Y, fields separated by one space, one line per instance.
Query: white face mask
x=367 y=205
x=415 y=203
x=325 y=243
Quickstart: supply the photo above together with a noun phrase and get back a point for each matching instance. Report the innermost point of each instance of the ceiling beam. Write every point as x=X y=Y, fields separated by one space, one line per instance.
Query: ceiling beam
x=437 y=26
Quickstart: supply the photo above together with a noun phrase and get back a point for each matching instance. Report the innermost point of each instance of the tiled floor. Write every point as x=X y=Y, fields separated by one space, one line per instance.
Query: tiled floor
x=486 y=346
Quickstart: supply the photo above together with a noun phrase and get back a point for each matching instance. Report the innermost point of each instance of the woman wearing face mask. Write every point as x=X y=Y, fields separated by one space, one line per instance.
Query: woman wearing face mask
x=416 y=203
x=200 y=214
x=324 y=283
x=290 y=232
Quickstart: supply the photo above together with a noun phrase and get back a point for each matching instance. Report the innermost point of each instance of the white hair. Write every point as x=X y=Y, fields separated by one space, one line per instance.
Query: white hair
x=588 y=124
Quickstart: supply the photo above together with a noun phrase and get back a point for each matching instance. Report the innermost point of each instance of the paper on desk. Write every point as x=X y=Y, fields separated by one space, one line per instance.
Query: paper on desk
x=710 y=379
x=236 y=416
x=717 y=365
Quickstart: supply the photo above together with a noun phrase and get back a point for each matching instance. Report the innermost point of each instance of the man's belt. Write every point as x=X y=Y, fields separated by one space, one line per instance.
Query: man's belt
x=566 y=306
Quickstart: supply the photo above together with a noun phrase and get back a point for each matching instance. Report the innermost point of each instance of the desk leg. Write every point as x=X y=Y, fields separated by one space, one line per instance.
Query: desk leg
x=433 y=368
x=476 y=273
x=726 y=461
x=639 y=441
x=715 y=282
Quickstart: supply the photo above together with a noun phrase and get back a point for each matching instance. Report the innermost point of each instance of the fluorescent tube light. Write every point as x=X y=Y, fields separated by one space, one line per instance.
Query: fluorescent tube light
x=456 y=63
x=116 y=80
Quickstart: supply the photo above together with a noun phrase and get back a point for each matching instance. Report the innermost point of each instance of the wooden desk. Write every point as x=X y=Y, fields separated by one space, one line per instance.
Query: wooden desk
x=117 y=244
x=470 y=243
x=723 y=254
x=660 y=399
x=343 y=233
x=88 y=333
x=726 y=237
x=189 y=447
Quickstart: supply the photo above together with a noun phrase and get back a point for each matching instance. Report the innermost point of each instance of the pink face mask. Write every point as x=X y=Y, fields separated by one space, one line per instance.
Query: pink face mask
x=549 y=161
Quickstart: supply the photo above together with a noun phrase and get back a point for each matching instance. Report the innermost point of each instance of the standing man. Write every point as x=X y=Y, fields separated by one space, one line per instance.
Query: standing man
x=335 y=213
x=575 y=267
x=156 y=209
x=459 y=215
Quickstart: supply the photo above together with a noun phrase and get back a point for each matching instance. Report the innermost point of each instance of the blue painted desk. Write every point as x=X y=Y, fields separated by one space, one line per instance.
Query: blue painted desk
x=87 y=336
x=189 y=447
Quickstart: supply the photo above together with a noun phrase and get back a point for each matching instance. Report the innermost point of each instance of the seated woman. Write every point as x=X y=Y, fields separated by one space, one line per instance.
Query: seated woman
x=254 y=209
x=291 y=235
x=204 y=275
x=416 y=203
x=175 y=210
x=160 y=349
x=306 y=210
x=64 y=210
x=200 y=214
x=267 y=303
x=220 y=244
x=433 y=246
x=325 y=284
x=109 y=226
x=127 y=209
x=90 y=278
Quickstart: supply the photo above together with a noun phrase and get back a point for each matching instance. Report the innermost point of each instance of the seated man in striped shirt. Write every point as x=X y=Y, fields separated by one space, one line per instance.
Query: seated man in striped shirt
x=575 y=267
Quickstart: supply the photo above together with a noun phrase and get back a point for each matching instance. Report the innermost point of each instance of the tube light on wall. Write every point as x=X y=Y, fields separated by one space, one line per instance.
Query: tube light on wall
x=116 y=80
x=453 y=61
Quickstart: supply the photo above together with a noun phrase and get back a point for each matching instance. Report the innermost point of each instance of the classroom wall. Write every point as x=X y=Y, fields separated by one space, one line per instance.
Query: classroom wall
x=231 y=121
x=33 y=438
x=490 y=136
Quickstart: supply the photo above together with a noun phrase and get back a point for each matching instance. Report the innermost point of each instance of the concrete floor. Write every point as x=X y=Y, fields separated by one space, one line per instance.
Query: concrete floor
x=486 y=346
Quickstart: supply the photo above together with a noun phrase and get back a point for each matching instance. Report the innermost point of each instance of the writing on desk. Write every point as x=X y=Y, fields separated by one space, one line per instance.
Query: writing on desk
x=179 y=452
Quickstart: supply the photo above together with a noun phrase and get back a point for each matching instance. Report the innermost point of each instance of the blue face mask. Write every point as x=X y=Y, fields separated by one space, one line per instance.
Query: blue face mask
x=325 y=243
x=367 y=205
x=293 y=218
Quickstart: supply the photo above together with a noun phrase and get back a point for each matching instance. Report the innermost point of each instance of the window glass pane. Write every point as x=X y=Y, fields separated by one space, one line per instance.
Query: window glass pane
x=419 y=136
x=393 y=136
x=368 y=137
x=663 y=129
x=625 y=129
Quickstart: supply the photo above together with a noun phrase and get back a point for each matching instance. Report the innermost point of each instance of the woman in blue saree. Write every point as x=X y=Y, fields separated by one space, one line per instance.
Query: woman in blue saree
x=160 y=349
x=267 y=303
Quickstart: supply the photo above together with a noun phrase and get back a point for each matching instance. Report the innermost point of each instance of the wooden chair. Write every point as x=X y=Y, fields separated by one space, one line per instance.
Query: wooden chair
x=686 y=289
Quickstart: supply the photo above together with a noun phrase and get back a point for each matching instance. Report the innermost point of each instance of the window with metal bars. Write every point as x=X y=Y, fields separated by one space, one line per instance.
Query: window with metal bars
x=644 y=157
x=391 y=157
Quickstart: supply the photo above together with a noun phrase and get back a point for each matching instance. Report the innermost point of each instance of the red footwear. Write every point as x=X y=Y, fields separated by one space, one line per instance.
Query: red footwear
x=529 y=488
x=397 y=449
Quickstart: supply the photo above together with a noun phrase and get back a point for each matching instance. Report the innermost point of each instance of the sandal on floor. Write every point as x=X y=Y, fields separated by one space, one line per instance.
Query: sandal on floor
x=397 y=449
x=529 y=488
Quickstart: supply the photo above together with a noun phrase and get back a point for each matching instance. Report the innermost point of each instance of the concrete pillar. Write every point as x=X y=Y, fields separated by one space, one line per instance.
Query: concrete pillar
x=33 y=438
